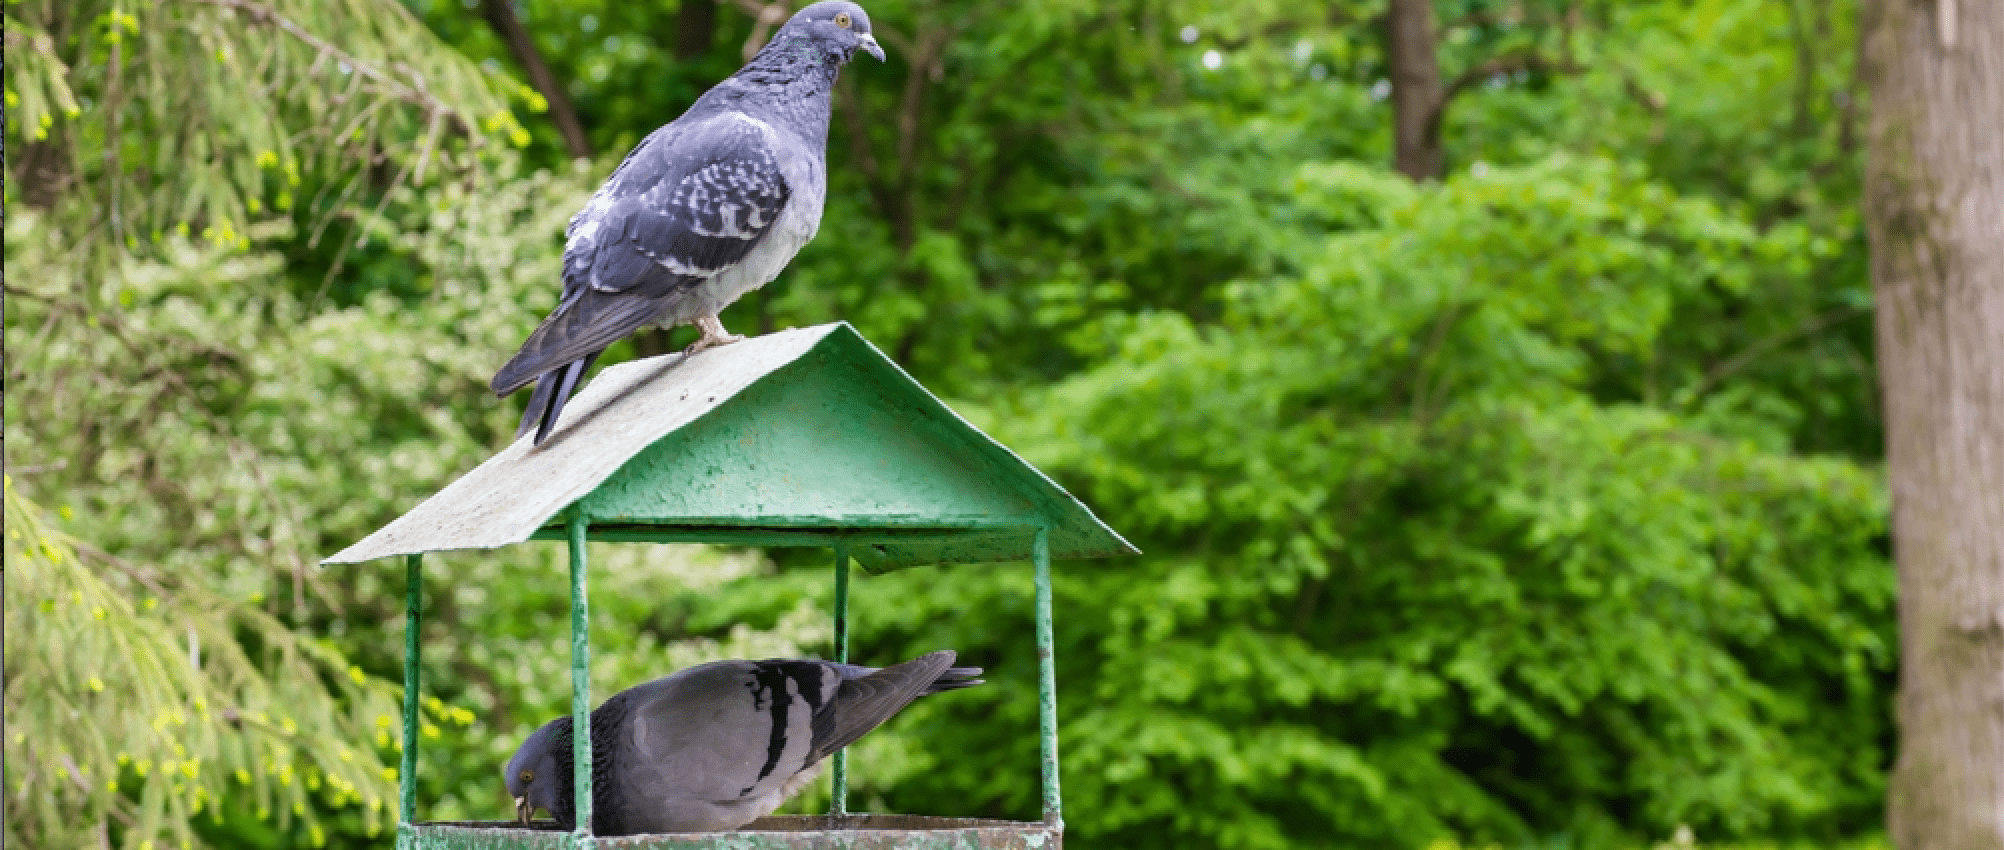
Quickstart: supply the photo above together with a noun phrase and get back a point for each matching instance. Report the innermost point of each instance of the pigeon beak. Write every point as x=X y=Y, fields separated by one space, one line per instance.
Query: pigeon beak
x=523 y=810
x=870 y=45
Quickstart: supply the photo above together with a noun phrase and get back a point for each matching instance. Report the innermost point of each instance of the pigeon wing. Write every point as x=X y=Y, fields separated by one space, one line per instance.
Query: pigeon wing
x=729 y=730
x=688 y=204
x=738 y=730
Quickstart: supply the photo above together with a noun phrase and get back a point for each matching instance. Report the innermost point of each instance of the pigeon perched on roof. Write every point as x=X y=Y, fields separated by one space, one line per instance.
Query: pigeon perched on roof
x=718 y=745
x=705 y=209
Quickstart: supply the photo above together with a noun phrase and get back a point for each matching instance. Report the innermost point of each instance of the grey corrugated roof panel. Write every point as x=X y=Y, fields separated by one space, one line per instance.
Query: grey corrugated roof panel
x=796 y=455
x=625 y=409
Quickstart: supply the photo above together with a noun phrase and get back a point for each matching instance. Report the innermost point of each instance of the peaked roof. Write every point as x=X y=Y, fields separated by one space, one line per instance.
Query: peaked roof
x=800 y=437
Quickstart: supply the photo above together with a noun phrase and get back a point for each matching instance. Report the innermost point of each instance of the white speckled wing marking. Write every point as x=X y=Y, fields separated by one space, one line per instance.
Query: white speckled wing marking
x=796 y=223
x=716 y=189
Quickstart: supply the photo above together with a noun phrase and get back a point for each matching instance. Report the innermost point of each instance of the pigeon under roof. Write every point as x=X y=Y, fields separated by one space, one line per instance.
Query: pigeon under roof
x=801 y=437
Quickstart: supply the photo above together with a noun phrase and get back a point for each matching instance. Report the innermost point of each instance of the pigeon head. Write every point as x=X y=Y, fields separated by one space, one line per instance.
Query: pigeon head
x=838 y=26
x=532 y=773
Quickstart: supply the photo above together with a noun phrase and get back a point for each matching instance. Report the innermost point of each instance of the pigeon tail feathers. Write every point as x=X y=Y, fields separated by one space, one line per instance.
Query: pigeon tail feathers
x=553 y=390
x=864 y=703
x=577 y=330
x=953 y=679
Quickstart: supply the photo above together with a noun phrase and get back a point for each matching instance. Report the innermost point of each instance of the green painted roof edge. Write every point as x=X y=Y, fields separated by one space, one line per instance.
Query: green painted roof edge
x=999 y=454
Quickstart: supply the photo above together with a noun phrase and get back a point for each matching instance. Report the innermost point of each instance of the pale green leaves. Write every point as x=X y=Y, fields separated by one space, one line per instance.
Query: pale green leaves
x=131 y=698
x=198 y=118
x=38 y=90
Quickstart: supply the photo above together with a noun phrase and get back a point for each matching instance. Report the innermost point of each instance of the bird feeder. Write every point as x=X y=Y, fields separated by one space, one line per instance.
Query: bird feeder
x=808 y=437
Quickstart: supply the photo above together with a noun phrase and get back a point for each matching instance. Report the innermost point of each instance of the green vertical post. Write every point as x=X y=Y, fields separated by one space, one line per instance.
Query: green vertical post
x=580 y=677
x=1047 y=681
x=839 y=805
x=413 y=615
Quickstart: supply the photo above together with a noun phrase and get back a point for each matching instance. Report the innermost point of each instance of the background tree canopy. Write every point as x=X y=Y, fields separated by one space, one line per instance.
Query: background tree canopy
x=1538 y=504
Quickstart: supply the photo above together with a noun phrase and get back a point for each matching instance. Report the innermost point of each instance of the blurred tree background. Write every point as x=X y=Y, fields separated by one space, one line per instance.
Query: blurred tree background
x=1488 y=381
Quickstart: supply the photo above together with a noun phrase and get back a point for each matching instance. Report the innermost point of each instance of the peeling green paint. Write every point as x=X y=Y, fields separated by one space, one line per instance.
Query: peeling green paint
x=1047 y=684
x=413 y=617
x=839 y=786
x=580 y=676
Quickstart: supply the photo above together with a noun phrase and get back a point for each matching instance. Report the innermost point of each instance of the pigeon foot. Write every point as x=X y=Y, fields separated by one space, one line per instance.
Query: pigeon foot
x=713 y=335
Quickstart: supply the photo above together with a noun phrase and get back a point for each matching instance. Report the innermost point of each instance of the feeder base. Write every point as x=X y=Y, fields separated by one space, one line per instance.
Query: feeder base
x=781 y=832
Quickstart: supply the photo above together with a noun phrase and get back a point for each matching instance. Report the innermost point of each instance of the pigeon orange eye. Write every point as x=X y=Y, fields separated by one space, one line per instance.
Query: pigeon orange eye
x=842 y=20
x=528 y=776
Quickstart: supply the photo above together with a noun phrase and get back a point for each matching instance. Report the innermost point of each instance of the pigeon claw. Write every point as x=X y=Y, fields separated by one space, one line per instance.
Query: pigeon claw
x=713 y=335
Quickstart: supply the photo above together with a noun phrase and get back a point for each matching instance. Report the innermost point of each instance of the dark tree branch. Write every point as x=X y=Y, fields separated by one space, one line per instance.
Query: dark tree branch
x=407 y=88
x=895 y=191
x=924 y=59
x=1731 y=365
x=859 y=136
x=1335 y=17
x=1506 y=64
x=501 y=16
x=1847 y=104
x=695 y=29
x=43 y=169
x=1417 y=98
x=765 y=16
x=1805 y=69
x=1420 y=100
x=1533 y=60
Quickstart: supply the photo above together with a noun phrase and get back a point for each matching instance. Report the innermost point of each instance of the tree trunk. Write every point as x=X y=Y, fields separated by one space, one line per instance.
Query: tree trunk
x=1934 y=211
x=501 y=16
x=1416 y=89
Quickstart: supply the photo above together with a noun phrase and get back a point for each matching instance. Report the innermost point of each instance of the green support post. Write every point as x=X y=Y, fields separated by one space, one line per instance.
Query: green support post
x=580 y=679
x=407 y=767
x=839 y=805
x=1047 y=681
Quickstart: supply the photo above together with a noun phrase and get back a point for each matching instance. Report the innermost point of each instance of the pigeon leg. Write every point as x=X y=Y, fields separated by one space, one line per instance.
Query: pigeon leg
x=713 y=335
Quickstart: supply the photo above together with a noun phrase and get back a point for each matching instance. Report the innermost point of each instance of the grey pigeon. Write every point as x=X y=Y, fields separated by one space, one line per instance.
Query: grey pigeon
x=716 y=746
x=705 y=209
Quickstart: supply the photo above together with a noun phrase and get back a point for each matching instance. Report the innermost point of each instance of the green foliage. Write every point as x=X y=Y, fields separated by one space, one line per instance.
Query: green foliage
x=1420 y=556
x=168 y=391
x=203 y=116
x=191 y=703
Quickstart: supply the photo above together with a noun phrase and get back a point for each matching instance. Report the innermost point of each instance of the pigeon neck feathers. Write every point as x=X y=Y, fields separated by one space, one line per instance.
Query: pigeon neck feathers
x=604 y=721
x=791 y=60
x=788 y=84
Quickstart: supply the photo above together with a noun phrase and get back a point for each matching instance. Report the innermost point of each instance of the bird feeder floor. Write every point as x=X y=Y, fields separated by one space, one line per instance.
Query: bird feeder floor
x=780 y=832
